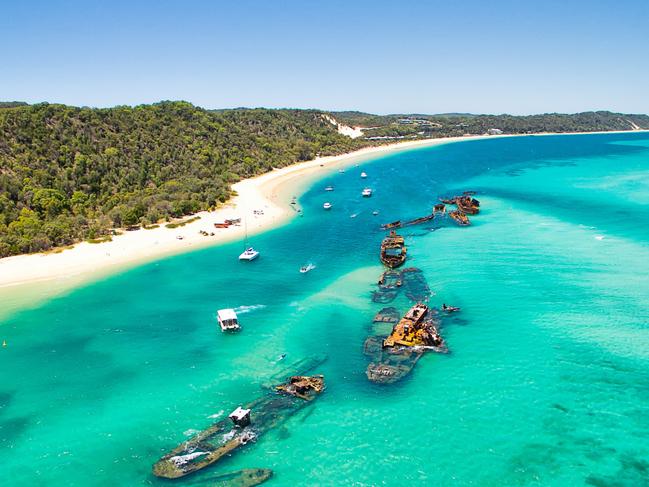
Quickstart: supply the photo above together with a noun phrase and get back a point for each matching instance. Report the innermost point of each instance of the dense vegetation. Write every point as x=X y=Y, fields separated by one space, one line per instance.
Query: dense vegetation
x=70 y=173
x=448 y=125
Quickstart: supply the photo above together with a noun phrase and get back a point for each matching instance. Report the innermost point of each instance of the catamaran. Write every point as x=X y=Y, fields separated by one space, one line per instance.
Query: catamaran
x=249 y=253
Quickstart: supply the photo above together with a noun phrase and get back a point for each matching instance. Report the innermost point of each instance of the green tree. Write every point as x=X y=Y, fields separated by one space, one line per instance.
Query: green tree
x=50 y=202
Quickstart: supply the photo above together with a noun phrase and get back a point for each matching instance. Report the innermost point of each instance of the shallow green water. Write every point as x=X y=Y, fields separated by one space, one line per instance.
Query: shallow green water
x=547 y=382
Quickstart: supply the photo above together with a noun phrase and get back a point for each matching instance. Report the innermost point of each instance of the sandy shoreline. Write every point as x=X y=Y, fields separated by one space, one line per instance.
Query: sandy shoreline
x=270 y=193
x=266 y=193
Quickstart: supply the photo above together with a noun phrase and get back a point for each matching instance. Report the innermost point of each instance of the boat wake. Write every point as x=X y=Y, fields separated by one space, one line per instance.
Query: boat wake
x=216 y=415
x=247 y=309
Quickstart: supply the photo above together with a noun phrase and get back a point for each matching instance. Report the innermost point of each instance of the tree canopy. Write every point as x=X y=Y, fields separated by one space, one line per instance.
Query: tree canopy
x=69 y=173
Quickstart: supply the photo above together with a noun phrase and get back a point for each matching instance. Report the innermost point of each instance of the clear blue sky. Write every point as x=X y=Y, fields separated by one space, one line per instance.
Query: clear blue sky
x=377 y=56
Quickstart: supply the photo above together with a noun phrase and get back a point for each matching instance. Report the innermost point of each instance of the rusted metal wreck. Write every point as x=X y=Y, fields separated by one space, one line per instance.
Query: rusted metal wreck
x=394 y=356
x=393 y=250
x=243 y=426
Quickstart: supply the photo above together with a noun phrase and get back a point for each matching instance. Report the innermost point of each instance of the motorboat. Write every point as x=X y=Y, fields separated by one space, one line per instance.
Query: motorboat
x=367 y=192
x=228 y=320
x=329 y=188
x=327 y=206
x=306 y=268
x=249 y=254
x=363 y=174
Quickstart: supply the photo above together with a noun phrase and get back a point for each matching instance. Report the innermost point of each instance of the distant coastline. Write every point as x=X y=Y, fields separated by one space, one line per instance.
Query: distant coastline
x=271 y=193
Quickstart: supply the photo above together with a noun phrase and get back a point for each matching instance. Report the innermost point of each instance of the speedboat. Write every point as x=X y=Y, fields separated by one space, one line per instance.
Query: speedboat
x=367 y=192
x=228 y=320
x=341 y=171
x=249 y=254
x=363 y=175
x=327 y=206
x=329 y=188
x=306 y=268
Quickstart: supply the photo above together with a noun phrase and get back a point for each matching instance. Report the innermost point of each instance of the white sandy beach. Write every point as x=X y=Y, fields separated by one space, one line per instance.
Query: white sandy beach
x=271 y=193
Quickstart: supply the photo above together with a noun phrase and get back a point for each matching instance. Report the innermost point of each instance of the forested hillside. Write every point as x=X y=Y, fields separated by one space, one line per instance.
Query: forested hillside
x=450 y=125
x=70 y=173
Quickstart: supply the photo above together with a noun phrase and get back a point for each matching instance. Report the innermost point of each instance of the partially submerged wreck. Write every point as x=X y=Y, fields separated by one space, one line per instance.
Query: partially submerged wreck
x=393 y=250
x=394 y=356
x=460 y=218
x=415 y=329
x=248 y=477
x=400 y=224
x=389 y=365
x=243 y=426
x=411 y=280
x=415 y=285
x=467 y=204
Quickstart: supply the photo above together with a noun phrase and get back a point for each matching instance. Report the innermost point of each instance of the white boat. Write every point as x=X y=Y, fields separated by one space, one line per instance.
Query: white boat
x=363 y=175
x=327 y=206
x=375 y=212
x=329 y=188
x=306 y=268
x=249 y=254
x=228 y=320
x=341 y=171
x=367 y=192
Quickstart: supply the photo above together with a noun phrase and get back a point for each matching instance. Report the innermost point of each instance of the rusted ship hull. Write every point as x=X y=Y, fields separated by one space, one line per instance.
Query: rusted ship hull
x=395 y=355
x=393 y=250
x=388 y=366
x=393 y=261
x=466 y=208
x=224 y=437
x=388 y=226
x=460 y=218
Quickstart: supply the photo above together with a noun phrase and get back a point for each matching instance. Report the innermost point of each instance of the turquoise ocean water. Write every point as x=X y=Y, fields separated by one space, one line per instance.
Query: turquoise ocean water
x=547 y=382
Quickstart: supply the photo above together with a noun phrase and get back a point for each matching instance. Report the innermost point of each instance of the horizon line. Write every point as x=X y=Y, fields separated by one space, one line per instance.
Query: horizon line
x=159 y=102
